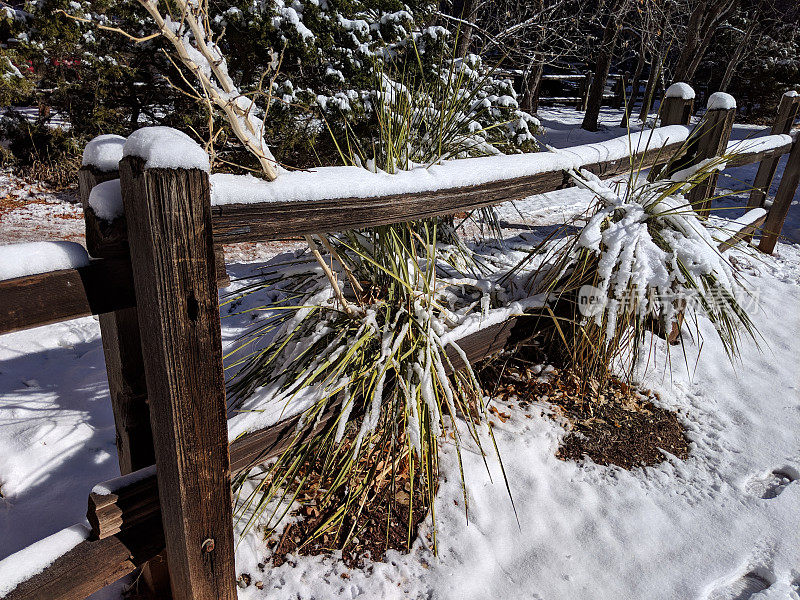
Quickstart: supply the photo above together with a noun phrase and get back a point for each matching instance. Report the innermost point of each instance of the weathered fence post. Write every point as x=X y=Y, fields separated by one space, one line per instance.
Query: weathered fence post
x=121 y=348
x=168 y=213
x=619 y=89
x=787 y=112
x=678 y=105
x=715 y=132
x=783 y=199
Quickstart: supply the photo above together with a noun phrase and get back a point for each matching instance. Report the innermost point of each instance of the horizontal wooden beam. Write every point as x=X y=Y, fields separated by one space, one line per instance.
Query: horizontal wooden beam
x=93 y=564
x=104 y=285
x=282 y=220
x=739 y=231
x=748 y=158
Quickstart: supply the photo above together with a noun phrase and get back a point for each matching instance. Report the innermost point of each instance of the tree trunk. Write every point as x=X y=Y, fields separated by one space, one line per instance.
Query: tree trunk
x=463 y=9
x=737 y=56
x=702 y=23
x=655 y=72
x=532 y=85
x=604 y=56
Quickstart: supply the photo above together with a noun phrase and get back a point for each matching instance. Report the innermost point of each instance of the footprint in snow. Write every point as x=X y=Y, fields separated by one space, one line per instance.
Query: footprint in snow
x=741 y=589
x=771 y=485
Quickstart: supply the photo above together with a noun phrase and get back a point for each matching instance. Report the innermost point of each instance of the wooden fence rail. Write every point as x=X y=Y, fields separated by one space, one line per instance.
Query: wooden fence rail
x=154 y=280
x=73 y=293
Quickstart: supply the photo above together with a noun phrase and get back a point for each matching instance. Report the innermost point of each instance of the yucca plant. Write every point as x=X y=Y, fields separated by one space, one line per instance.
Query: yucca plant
x=377 y=363
x=644 y=258
x=358 y=337
x=428 y=114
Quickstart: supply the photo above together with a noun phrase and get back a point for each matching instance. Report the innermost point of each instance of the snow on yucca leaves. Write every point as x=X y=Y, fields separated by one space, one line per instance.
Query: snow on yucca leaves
x=380 y=364
x=652 y=249
x=644 y=257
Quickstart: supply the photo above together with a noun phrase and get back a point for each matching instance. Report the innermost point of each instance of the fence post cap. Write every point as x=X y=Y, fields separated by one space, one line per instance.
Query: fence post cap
x=166 y=148
x=721 y=101
x=103 y=152
x=680 y=90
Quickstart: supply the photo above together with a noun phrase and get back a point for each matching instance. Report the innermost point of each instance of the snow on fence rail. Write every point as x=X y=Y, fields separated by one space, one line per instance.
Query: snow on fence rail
x=153 y=282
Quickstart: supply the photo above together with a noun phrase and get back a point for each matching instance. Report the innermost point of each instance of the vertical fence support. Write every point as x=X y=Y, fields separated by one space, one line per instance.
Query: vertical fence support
x=123 y=353
x=787 y=112
x=783 y=199
x=172 y=255
x=122 y=349
x=715 y=132
x=103 y=239
x=676 y=111
x=619 y=89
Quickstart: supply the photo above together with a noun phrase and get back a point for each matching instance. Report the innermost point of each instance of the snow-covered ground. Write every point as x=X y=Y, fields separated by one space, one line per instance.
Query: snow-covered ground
x=34 y=212
x=723 y=521
x=703 y=528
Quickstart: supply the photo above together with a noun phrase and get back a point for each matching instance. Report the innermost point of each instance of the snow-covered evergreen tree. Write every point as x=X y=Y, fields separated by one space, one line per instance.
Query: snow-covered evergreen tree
x=321 y=58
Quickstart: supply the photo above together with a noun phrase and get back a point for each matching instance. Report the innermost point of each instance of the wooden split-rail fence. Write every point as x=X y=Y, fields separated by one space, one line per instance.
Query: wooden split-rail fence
x=153 y=282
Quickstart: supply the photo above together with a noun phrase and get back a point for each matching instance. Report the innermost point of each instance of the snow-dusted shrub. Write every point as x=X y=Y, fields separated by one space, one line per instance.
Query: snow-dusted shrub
x=645 y=257
x=381 y=362
x=327 y=52
x=333 y=56
x=14 y=86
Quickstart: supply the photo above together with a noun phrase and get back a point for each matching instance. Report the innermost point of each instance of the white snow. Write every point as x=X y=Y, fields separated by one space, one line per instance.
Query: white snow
x=759 y=144
x=328 y=183
x=724 y=228
x=104 y=152
x=751 y=216
x=35 y=558
x=106 y=200
x=680 y=90
x=685 y=529
x=31 y=258
x=166 y=148
x=792 y=93
x=721 y=101
x=35 y=211
x=112 y=485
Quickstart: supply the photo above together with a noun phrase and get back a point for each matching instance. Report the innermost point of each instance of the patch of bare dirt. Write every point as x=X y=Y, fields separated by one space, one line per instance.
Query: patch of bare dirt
x=617 y=425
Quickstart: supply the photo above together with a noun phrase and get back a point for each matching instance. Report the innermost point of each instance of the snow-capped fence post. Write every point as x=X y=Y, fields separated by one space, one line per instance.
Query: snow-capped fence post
x=783 y=199
x=715 y=132
x=119 y=331
x=122 y=349
x=168 y=213
x=678 y=105
x=104 y=238
x=88 y=177
x=787 y=113
x=619 y=89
